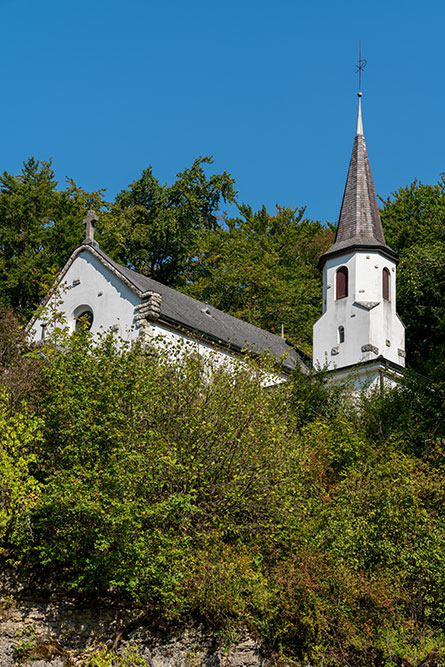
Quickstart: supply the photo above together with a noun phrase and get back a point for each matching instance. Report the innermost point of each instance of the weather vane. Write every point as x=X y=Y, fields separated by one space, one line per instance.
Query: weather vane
x=360 y=67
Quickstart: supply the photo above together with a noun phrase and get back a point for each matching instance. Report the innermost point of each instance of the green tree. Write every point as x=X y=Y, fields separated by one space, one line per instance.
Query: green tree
x=39 y=228
x=20 y=433
x=414 y=223
x=262 y=268
x=153 y=228
x=147 y=462
x=19 y=368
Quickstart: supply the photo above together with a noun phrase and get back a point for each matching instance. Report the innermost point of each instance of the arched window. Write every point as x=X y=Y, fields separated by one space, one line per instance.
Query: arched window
x=385 y=283
x=84 y=319
x=341 y=286
x=341 y=334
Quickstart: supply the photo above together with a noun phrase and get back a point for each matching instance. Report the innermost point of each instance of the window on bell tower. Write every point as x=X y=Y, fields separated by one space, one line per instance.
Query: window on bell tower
x=341 y=283
x=385 y=283
x=341 y=334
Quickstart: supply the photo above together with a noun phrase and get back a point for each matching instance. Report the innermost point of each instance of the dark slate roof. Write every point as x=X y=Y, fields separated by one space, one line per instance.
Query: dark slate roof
x=359 y=224
x=183 y=311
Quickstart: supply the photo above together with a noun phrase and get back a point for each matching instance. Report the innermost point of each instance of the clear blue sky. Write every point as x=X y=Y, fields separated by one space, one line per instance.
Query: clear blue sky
x=108 y=87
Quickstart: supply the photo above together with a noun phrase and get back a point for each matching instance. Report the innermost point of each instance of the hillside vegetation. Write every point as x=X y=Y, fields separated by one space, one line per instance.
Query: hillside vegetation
x=316 y=524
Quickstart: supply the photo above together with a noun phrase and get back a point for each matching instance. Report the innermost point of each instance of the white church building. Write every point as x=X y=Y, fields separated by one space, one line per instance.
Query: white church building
x=359 y=336
x=95 y=291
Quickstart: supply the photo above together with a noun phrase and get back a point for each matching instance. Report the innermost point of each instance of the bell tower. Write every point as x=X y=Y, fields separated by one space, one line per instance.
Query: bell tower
x=359 y=327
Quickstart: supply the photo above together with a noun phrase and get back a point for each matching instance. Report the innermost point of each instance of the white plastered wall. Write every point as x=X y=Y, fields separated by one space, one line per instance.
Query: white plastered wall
x=88 y=285
x=367 y=378
x=369 y=321
x=178 y=345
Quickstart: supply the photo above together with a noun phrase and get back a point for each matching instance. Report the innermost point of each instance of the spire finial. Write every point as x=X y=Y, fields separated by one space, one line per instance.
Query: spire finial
x=360 y=67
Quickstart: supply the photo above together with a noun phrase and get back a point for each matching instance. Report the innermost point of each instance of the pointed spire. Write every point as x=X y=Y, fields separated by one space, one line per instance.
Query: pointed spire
x=359 y=224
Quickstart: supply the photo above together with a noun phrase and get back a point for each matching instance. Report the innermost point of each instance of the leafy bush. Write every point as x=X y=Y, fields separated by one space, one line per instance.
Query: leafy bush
x=317 y=525
x=20 y=435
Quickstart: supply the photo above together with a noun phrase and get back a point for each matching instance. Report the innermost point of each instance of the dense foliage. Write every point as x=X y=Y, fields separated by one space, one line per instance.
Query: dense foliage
x=155 y=228
x=318 y=527
x=414 y=223
x=39 y=228
x=316 y=524
x=262 y=268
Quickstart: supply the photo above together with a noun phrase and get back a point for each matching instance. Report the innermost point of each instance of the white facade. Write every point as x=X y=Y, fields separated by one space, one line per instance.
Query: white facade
x=88 y=285
x=363 y=325
x=178 y=345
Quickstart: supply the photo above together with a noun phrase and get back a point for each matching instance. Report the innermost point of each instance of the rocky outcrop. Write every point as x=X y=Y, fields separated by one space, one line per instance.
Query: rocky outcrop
x=51 y=630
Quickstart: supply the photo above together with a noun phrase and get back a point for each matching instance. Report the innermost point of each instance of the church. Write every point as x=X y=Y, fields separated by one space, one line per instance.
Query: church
x=94 y=291
x=358 y=337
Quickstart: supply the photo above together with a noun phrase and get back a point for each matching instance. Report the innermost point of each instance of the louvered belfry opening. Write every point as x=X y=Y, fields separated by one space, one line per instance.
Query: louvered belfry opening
x=385 y=283
x=341 y=287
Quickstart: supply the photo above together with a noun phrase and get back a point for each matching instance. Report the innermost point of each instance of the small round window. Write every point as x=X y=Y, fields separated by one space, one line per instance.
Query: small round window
x=84 y=320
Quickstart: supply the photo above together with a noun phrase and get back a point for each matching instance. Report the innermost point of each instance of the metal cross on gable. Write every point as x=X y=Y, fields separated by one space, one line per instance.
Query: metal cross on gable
x=360 y=67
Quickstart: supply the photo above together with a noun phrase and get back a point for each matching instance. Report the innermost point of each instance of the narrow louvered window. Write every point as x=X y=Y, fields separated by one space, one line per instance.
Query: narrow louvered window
x=341 y=334
x=341 y=287
x=385 y=283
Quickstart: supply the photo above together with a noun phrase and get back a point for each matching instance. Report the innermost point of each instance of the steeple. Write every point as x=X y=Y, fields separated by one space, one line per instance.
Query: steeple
x=359 y=328
x=359 y=224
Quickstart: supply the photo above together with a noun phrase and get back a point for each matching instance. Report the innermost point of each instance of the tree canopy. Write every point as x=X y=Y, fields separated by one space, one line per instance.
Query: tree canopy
x=262 y=268
x=154 y=228
x=414 y=224
x=39 y=228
